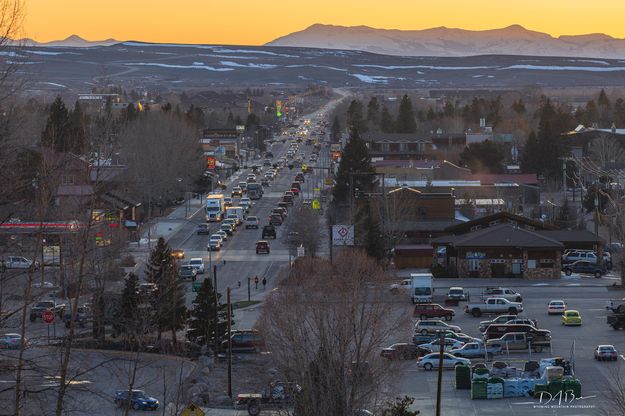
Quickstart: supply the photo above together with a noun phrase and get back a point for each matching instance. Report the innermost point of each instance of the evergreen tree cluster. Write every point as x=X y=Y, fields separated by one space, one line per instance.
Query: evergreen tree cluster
x=353 y=169
x=65 y=130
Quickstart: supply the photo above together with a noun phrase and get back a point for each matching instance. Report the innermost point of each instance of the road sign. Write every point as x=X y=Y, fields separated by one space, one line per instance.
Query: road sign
x=192 y=410
x=315 y=204
x=343 y=235
x=317 y=189
x=195 y=286
x=300 y=251
x=47 y=316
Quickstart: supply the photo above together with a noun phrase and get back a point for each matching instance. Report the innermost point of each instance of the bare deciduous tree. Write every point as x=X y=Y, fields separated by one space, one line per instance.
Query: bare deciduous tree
x=605 y=149
x=325 y=326
x=303 y=228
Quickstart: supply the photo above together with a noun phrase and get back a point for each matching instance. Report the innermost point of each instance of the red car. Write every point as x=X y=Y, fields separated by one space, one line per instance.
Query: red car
x=432 y=310
x=295 y=191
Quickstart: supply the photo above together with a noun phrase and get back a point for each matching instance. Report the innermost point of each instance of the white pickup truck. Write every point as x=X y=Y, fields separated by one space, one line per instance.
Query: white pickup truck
x=494 y=306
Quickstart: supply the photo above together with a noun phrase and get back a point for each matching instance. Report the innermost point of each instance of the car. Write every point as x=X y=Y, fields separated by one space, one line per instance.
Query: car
x=227 y=201
x=300 y=177
x=46 y=305
x=404 y=285
x=456 y=293
x=83 y=315
x=247 y=340
x=280 y=212
x=43 y=285
x=246 y=203
x=584 y=267
x=404 y=351
x=431 y=361
x=251 y=178
x=177 y=253
x=236 y=192
x=571 y=256
x=223 y=234
x=432 y=310
x=499 y=330
x=449 y=344
x=243 y=186
x=228 y=228
x=267 y=162
x=289 y=193
x=262 y=246
x=502 y=292
x=269 y=174
x=19 y=262
x=464 y=338
x=523 y=321
x=288 y=199
x=275 y=219
x=215 y=242
x=501 y=319
x=295 y=191
x=203 y=229
x=475 y=350
x=606 y=353
x=198 y=264
x=556 y=307
x=269 y=231
x=138 y=400
x=252 y=222
x=571 y=317
x=10 y=341
x=187 y=272
x=264 y=182
x=424 y=327
x=233 y=222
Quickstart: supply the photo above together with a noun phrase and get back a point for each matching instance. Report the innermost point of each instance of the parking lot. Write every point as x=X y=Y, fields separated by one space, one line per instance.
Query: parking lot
x=588 y=296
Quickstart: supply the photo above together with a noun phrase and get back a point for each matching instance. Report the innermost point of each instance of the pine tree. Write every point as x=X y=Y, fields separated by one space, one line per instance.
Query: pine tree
x=202 y=316
x=156 y=270
x=484 y=157
x=171 y=307
x=230 y=121
x=530 y=156
x=77 y=130
x=355 y=160
x=56 y=132
x=130 y=306
x=373 y=112
x=605 y=109
x=129 y=113
x=387 y=125
x=518 y=107
x=355 y=117
x=405 y=118
x=336 y=130
x=374 y=239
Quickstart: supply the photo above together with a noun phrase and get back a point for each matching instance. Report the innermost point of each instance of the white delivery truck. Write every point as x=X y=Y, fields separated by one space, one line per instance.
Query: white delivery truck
x=421 y=288
x=214 y=207
x=238 y=211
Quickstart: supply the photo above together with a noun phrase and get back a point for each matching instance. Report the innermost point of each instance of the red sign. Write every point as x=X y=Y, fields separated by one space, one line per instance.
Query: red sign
x=48 y=317
x=211 y=163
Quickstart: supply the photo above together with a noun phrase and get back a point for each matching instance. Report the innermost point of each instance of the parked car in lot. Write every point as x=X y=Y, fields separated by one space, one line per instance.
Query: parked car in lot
x=584 y=267
x=252 y=222
x=262 y=246
x=404 y=351
x=498 y=330
x=203 y=229
x=523 y=321
x=198 y=264
x=606 y=353
x=494 y=305
x=10 y=341
x=501 y=319
x=515 y=341
x=83 y=314
x=430 y=361
x=449 y=344
x=475 y=350
x=572 y=256
x=432 y=310
x=138 y=400
x=456 y=293
x=571 y=317
x=19 y=262
x=431 y=327
x=556 y=307
x=502 y=292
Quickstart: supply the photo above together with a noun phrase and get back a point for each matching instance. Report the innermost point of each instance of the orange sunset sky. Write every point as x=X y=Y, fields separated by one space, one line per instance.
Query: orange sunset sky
x=255 y=22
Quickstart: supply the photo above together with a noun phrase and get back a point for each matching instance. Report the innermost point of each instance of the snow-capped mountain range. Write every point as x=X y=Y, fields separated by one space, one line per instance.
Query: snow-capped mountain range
x=73 y=41
x=442 y=41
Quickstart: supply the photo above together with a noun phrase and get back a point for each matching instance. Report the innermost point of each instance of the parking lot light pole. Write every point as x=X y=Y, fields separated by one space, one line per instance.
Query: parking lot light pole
x=440 y=374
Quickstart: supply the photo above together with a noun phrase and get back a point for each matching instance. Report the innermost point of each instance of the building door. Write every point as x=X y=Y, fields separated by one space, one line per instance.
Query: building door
x=474 y=267
x=516 y=269
x=498 y=269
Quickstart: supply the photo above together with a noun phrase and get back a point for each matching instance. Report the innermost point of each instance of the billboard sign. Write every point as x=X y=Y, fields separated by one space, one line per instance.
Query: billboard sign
x=211 y=162
x=279 y=108
x=342 y=235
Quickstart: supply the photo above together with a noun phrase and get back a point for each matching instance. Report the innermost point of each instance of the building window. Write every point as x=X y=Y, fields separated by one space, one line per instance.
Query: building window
x=412 y=147
x=402 y=147
x=476 y=227
x=67 y=179
x=545 y=263
x=385 y=147
x=394 y=147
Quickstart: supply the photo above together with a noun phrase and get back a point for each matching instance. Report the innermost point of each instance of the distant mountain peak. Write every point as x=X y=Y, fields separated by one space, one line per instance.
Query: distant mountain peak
x=443 y=41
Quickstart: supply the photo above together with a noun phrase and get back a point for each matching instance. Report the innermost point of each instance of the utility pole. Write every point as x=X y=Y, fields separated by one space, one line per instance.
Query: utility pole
x=248 y=289
x=229 y=346
x=440 y=374
x=216 y=338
